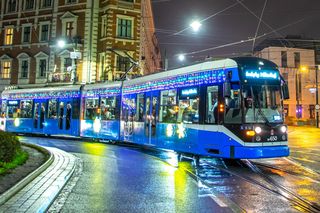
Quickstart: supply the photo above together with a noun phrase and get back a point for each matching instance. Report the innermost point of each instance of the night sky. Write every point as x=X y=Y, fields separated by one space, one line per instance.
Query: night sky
x=284 y=17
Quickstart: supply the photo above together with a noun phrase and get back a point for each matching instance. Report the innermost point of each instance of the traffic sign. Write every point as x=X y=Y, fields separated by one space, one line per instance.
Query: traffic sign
x=75 y=55
x=317 y=107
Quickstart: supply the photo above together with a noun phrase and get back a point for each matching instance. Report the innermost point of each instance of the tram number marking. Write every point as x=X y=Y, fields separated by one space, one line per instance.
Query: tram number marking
x=272 y=138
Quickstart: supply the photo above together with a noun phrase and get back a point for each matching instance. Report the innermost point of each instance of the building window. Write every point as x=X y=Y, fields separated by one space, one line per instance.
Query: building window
x=8 y=36
x=103 y=73
x=67 y=65
x=296 y=60
x=284 y=59
x=124 y=28
x=5 y=70
x=26 y=34
x=24 y=68
x=285 y=76
x=123 y=63
x=44 y=33
x=104 y=26
x=29 y=4
x=46 y=3
x=12 y=6
x=42 y=67
x=69 y=29
x=71 y=1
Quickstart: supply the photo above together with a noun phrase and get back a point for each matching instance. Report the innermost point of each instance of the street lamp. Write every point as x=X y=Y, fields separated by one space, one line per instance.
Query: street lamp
x=181 y=57
x=301 y=69
x=61 y=43
x=74 y=55
x=317 y=107
x=195 y=25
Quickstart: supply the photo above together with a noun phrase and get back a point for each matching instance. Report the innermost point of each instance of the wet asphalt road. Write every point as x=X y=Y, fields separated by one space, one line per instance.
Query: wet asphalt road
x=121 y=179
x=126 y=179
x=304 y=145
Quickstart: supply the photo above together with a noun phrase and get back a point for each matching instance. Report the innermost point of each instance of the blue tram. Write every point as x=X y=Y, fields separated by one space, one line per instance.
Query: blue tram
x=230 y=108
x=43 y=110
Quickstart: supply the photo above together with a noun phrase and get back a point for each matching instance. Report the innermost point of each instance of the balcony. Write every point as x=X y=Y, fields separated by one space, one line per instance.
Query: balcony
x=59 y=77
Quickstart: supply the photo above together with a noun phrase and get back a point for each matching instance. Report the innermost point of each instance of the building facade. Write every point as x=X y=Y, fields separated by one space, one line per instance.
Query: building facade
x=298 y=60
x=63 y=41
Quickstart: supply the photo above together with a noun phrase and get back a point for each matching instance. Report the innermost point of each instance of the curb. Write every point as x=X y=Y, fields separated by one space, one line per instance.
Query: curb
x=25 y=181
x=46 y=205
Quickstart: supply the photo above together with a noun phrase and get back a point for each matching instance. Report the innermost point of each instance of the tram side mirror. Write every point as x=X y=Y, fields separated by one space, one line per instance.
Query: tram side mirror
x=226 y=89
x=285 y=92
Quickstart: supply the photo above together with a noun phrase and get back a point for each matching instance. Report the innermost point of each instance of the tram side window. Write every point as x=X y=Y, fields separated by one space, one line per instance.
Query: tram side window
x=140 y=107
x=13 y=109
x=128 y=109
x=168 y=106
x=52 y=109
x=108 y=108
x=233 y=109
x=91 y=111
x=75 y=108
x=188 y=105
x=212 y=105
x=26 y=109
x=3 y=109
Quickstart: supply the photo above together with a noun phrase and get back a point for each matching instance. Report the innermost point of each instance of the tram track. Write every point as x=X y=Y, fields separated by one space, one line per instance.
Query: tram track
x=284 y=191
x=270 y=185
x=293 y=173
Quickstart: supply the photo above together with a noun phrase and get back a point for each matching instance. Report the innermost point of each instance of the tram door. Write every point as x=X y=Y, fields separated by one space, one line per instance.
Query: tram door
x=39 y=113
x=128 y=112
x=64 y=116
x=151 y=116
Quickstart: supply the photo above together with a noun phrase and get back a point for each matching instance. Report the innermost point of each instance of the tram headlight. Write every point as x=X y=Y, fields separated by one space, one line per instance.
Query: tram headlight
x=258 y=129
x=16 y=122
x=283 y=129
x=96 y=125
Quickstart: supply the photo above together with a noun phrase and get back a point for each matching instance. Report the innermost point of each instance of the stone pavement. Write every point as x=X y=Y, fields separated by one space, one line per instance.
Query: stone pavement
x=38 y=195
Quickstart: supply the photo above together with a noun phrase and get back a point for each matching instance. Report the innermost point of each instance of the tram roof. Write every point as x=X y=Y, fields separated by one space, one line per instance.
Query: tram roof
x=40 y=90
x=208 y=65
x=105 y=85
x=43 y=89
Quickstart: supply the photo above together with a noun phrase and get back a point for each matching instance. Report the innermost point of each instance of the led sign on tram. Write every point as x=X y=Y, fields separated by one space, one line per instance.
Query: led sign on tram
x=265 y=75
x=191 y=91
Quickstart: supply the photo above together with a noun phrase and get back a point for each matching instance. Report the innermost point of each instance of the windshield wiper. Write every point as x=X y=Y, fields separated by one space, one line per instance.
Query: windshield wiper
x=260 y=112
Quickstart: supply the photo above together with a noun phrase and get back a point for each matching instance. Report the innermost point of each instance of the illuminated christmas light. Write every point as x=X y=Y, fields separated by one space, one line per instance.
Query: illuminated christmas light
x=105 y=92
x=193 y=79
x=43 y=95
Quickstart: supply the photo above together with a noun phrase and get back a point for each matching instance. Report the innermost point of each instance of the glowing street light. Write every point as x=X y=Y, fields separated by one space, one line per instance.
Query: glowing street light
x=61 y=43
x=195 y=25
x=181 y=57
x=304 y=69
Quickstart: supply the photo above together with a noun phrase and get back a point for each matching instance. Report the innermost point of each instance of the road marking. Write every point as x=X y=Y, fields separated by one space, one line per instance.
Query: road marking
x=299 y=164
x=212 y=195
x=218 y=201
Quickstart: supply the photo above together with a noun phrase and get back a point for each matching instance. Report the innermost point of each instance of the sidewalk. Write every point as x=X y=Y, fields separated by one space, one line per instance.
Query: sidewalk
x=38 y=195
x=302 y=128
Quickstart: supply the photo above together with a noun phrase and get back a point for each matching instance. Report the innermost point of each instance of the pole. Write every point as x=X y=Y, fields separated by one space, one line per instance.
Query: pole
x=317 y=98
x=297 y=95
x=74 y=61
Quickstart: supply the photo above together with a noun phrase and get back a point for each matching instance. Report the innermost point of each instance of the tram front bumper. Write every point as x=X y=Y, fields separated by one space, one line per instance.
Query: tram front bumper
x=245 y=152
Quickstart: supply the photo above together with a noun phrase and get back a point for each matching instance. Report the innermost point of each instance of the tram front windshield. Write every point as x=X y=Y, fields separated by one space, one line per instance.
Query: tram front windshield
x=262 y=104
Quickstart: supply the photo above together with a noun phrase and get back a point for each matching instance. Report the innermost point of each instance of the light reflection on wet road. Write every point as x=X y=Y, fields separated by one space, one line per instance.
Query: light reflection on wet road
x=121 y=179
